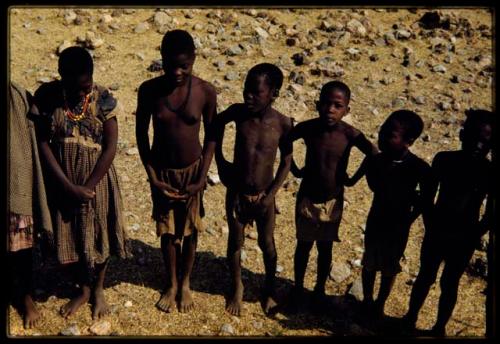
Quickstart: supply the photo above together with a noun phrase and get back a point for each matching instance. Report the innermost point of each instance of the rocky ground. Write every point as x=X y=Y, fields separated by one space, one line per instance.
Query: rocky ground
x=389 y=59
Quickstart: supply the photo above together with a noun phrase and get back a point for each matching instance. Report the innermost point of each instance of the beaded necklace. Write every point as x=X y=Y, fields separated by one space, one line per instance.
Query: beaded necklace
x=70 y=114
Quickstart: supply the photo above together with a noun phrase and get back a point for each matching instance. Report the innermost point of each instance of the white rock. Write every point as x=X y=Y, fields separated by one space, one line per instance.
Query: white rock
x=279 y=268
x=65 y=44
x=101 y=328
x=128 y=304
x=439 y=69
x=339 y=272
x=356 y=289
x=355 y=27
x=132 y=151
x=161 y=19
x=72 y=330
x=141 y=27
x=261 y=32
x=227 y=329
x=213 y=178
x=106 y=19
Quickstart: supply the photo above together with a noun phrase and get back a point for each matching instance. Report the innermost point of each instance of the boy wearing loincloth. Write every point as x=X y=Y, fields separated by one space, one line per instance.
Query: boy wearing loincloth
x=320 y=197
x=251 y=186
x=176 y=163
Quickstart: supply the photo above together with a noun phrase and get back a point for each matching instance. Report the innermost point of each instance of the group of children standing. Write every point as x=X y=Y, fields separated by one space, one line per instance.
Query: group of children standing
x=76 y=134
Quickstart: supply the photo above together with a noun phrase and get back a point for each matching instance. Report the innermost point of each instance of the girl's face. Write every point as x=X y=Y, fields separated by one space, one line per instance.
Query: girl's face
x=178 y=67
x=257 y=93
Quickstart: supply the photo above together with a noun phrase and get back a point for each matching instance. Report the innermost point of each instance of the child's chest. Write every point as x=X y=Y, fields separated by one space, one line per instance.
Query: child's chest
x=259 y=135
x=165 y=113
x=327 y=146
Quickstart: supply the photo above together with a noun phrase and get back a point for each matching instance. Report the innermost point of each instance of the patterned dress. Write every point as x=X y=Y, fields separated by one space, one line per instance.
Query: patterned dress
x=93 y=230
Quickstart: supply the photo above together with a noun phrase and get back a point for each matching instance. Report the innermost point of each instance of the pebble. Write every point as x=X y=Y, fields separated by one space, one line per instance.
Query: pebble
x=243 y=255
x=41 y=31
x=420 y=100
x=252 y=235
x=132 y=151
x=398 y=103
x=257 y=324
x=279 y=268
x=234 y=50
x=72 y=330
x=127 y=304
x=426 y=138
x=231 y=76
x=156 y=66
x=356 y=27
x=339 y=272
x=444 y=106
x=356 y=289
x=106 y=18
x=225 y=229
x=291 y=42
x=114 y=87
x=141 y=27
x=69 y=17
x=439 y=69
x=261 y=32
x=101 y=328
x=227 y=329
x=213 y=178
x=161 y=19
x=64 y=45
x=135 y=227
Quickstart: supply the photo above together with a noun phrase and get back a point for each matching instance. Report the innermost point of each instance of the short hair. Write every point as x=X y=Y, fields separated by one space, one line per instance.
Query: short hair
x=176 y=42
x=75 y=61
x=334 y=85
x=474 y=118
x=412 y=123
x=274 y=75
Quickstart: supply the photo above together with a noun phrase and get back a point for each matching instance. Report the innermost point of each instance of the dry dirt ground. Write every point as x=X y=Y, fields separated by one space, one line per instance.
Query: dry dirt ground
x=370 y=61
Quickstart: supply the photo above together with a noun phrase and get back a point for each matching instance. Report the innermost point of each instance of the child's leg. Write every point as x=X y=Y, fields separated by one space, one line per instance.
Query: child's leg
x=100 y=307
x=368 y=281
x=23 y=264
x=234 y=246
x=265 y=229
x=169 y=250
x=449 y=282
x=324 y=265
x=82 y=275
x=301 y=258
x=430 y=259
x=188 y=255
x=386 y=284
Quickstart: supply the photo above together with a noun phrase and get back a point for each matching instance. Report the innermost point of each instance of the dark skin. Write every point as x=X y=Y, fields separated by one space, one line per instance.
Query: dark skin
x=395 y=147
x=328 y=142
x=464 y=181
x=176 y=144
x=76 y=88
x=260 y=132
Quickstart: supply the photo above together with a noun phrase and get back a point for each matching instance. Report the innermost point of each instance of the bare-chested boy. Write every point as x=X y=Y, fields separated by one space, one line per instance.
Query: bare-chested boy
x=251 y=186
x=464 y=178
x=176 y=163
x=320 y=197
x=400 y=182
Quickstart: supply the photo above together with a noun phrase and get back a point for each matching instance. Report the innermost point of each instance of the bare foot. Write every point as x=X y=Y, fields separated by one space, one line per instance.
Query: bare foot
x=72 y=306
x=100 y=307
x=235 y=304
x=31 y=314
x=186 y=304
x=167 y=300
x=269 y=304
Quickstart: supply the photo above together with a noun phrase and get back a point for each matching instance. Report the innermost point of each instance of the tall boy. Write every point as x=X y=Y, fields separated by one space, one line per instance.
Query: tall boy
x=176 y=163
x=251 y=186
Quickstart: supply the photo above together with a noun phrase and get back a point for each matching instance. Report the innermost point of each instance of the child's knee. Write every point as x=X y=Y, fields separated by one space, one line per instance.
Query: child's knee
x=267 y=246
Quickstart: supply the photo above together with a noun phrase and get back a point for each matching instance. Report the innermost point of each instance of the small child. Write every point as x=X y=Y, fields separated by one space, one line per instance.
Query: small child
x=27 y=202
x=453 y=231
x=77 y=132
x=320 y=198
x=394 y=175
x=176 y=163
x=251 y=186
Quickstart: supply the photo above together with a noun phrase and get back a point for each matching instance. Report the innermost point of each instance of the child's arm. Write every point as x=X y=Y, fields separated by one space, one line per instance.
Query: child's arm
x=208 y=113
x=294 y=135
x=110 y=138
x=364 y=145
x=142 y=120
x=224 y=167
x=486 y=222
x=358 y=174
x=286 y=148
x=425 y=200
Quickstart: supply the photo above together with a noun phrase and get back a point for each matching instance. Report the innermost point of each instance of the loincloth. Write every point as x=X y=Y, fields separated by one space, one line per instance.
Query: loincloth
x=244 y=205
x=318 y=221
x=187 y=213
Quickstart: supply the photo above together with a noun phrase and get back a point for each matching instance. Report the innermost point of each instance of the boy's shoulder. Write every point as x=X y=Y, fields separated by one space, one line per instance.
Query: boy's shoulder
x=417 y=161
x=350 y=131
x=284 y=120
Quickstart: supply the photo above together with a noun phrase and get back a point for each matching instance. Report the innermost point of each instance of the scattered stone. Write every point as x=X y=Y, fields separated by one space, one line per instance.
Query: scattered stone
x=161 y=19
x=402 y=34
x=439 y=69
x=141 y=27
x=356 y=28
x=340 y=272
x=297 y=77
x=398 y=102
x=379 y=42
x=243 y=255
x=127 y=304
x=72 y=330
x=356 y=289
x=426 y=138
x=231 y=76
x=234 y=50
x=291 y=42
x=106 y=19
x=444 y=106
x=65 y=44
x=135 y=227
x=114 y=87
x=91 y=41
x=279 y=268
x=69 y=17
x=353 y=53
x=156 y=66
x=213 y=178
x=44 y=79
x=261 y=32
x=420 y=100
x=101 y=328
x=225 y=229
x=252 y=235
x=257 y=324
x=373 y=57
x=455 y=79
x=132 y=151
x=227 y=329
x=430 y=21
